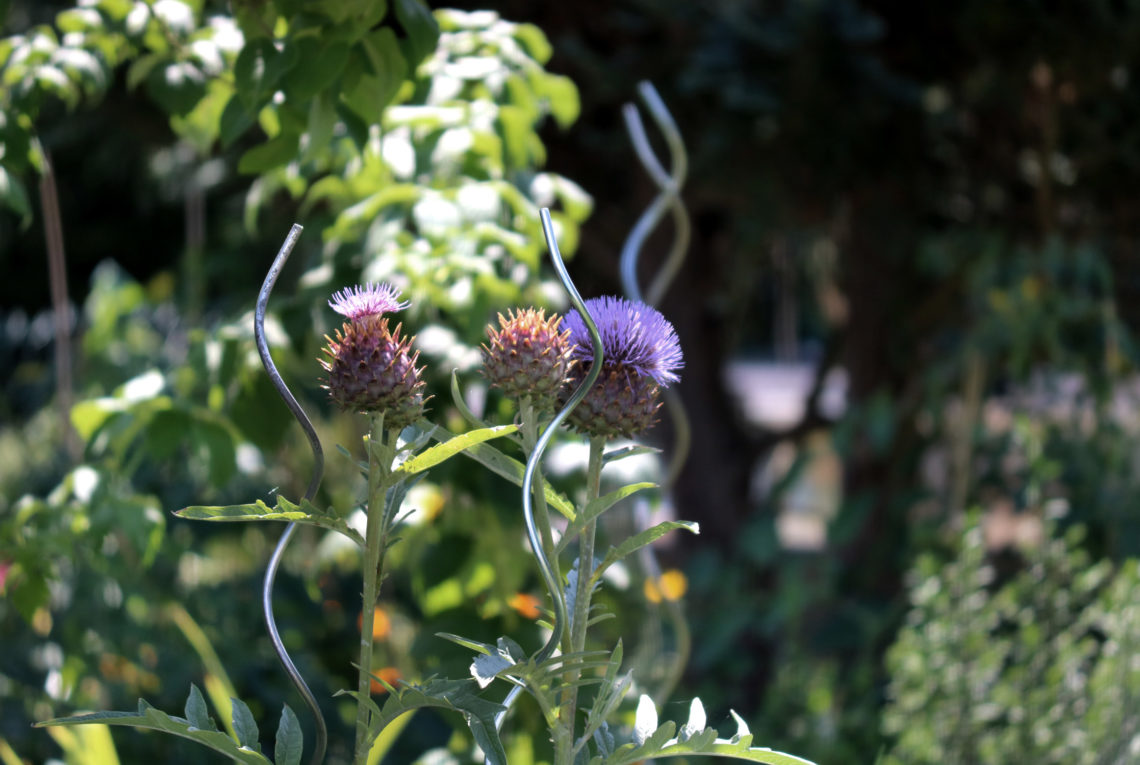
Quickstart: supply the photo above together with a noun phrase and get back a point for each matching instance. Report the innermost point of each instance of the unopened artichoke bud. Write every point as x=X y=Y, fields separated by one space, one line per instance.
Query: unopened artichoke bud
x=371 y=367
x=528 y=355
x=640 y=355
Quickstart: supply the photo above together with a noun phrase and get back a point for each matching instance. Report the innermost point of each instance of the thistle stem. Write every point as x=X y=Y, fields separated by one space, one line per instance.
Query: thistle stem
x=380 y=455
x=582 y=593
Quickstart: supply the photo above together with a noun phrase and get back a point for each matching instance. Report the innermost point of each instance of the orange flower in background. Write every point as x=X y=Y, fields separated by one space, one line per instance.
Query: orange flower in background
x=671 y=585
x=526 y=605
x=381 y=624
x=389 y=675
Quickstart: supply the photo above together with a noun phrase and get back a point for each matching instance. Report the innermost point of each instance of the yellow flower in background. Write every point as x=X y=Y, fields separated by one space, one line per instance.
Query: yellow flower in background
x=671 y=585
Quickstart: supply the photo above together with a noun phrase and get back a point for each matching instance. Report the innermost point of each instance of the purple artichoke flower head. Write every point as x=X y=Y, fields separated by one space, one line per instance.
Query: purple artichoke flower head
x=641 y=355
x=368 y=300
x=371 y=367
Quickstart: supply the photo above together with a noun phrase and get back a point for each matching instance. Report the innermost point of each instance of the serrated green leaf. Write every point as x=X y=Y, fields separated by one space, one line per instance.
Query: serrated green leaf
x=454 y=695
x=596 y=507
x=196 y=712
x=453 y=446
x=283 y=510
x=244 y=725
x=718 y=748
x=152 y=719
x=502 y=465
x=486 y=667
x=290 y=740
x=638 y=541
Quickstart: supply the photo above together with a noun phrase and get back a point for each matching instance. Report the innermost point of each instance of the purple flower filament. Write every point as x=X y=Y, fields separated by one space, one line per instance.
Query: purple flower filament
x=636 y=339
x=368 y=300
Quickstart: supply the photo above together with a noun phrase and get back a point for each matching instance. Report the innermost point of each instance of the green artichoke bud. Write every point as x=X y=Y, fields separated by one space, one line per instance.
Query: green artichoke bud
x=373 y=369
x=528 y=355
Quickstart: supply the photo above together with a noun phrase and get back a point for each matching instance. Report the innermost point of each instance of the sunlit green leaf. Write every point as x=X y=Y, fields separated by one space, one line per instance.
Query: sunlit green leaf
x=596 y=507
x=284 y=511
x=453 y=446
x=535 y=41
x=636 y=542
x=499 y=463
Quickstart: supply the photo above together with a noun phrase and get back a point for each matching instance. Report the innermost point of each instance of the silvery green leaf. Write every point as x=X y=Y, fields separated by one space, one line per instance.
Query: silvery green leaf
x=245 y=726
x=627 y=451
x=474 y=645
x=697 y=720
x=150 y=718
x=456 y=695
x=743 y=734
x=196 y=713
x=645 y=722
x=604 y=740
x=290 y=741
x=486 y=667
x=511 y=649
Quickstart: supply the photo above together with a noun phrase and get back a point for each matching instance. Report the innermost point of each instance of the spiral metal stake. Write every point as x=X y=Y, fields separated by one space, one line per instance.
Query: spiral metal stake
x=314 y=482
x=544 y=565
x=668 y=199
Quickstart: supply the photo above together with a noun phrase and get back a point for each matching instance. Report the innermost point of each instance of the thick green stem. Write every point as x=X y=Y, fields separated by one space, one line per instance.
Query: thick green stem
x=563 y=754
x=379 y=467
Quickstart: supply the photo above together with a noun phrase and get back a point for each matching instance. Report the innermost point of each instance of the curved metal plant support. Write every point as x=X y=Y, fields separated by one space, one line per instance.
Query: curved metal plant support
x=668 y=200
x=544 y=565
x=314 y=483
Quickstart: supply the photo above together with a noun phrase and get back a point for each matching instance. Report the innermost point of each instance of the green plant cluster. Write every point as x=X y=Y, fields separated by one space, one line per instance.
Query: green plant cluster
x=1027 y=652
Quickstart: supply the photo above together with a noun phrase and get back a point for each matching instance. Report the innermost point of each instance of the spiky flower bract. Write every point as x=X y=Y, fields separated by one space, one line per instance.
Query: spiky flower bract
x=641 y=355
x=528 y=356
x=371 y=367
x=368 y=300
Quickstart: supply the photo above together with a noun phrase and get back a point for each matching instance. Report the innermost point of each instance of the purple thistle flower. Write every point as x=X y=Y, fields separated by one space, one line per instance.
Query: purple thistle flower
x=369 y=300
x=635 y=338
x=641 y=355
